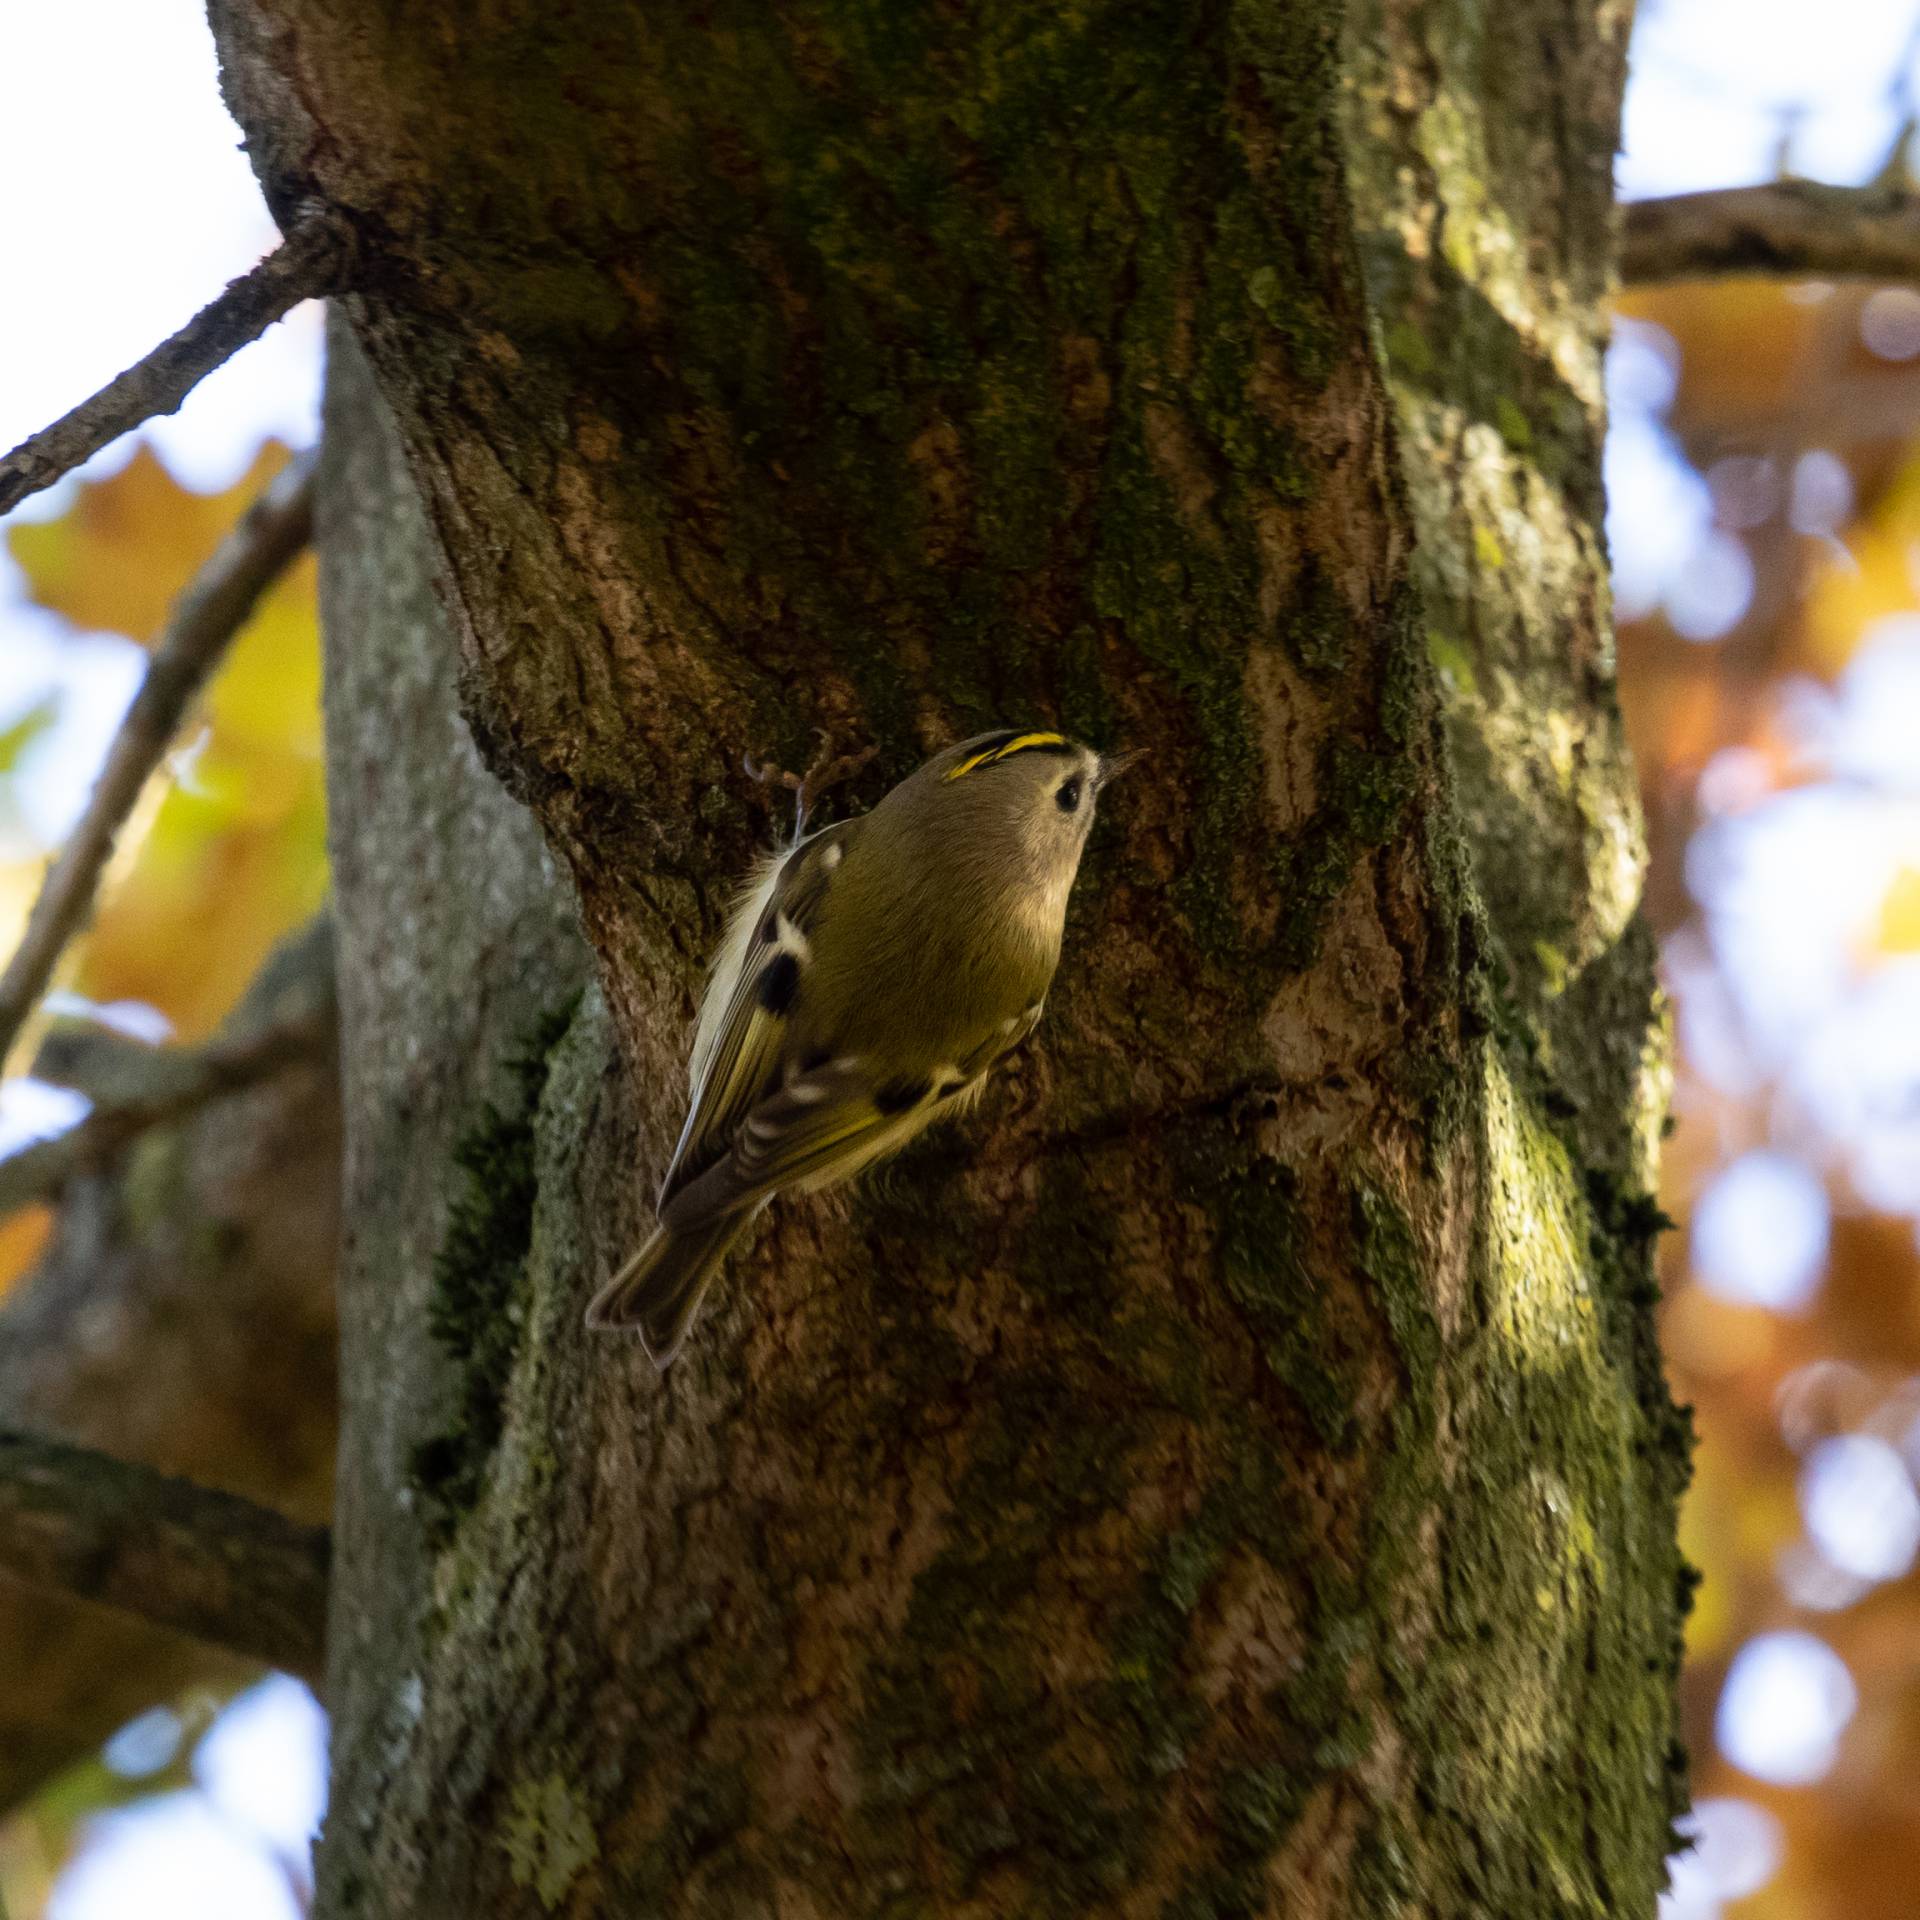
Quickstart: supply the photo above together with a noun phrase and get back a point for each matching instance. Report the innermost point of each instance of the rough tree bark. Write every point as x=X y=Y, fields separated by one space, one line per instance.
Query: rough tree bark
x=1235 y=1476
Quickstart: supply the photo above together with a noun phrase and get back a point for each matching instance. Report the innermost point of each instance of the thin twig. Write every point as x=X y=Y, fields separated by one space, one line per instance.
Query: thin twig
x=172 y=1082
x=179 y=1555
x=310 y=262
x=1794 y=228
x=208 y=615
x=828 y=771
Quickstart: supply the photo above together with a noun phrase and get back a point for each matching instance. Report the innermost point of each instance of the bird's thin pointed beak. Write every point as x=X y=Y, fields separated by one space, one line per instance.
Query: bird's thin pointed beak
x=1113 y=765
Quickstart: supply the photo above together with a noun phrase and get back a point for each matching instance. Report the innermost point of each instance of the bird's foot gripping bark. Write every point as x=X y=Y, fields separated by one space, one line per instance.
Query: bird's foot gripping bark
x=827 y=771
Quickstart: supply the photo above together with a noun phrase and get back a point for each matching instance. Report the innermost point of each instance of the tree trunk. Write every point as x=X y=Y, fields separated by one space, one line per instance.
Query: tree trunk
x=1233 y=1476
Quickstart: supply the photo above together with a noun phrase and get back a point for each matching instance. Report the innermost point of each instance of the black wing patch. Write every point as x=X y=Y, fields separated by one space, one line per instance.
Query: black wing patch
x=779 y=982
x=743 y=1063
x=896 y=1096
x=823 y=1124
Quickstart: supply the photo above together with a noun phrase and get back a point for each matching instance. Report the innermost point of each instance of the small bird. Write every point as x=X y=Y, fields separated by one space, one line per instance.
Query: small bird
x=871 y=977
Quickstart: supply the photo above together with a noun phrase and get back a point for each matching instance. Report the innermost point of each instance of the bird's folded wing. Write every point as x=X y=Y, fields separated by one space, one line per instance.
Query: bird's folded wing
x=823 y=1123
x=740 y=1062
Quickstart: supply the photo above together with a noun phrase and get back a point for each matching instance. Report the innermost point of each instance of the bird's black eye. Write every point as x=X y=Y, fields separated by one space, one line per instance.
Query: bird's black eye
x=1068 y=797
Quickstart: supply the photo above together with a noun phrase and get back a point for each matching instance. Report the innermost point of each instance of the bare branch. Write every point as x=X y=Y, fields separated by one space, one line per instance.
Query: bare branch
x=182 y=1316
x=1795 y=228
x=211 y=611
x=312 y=261
x=166 y=1085
x=203 y=1563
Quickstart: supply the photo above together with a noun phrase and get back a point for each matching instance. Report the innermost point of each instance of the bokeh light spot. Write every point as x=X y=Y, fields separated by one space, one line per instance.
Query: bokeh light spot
x=1890 y=323
x=1821 y=498
x=1746 y=489
x=144 y=1745
x=1736 y=1849
x=1788 y=1698
x=1707 y=598
x=1860 y=1506
x=1760 y=1232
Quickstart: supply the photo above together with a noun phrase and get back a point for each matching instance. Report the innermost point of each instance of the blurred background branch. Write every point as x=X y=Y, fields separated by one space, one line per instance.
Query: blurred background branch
x=180 y=1316
x=134 y=1087
x=1797 y=228
x=225 y=1570
x=173 y=1305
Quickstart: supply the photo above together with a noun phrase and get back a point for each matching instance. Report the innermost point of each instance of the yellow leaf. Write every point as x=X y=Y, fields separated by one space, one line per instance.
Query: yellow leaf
x=119 y=556
x=268 y=691
x=19 y=734
x=22 y=1236
x=1899 y=930
x=228 y=868
x=1847 y=595
x=19 y=884
x=228 y=848
x=1744 y=344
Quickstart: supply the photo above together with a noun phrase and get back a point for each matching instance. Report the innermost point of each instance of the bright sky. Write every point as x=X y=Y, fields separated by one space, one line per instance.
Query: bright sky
x=121 y=236
x=118 y=236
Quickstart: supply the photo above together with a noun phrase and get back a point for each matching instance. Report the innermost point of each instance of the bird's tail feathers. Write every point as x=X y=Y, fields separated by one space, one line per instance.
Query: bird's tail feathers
x=659 y=1290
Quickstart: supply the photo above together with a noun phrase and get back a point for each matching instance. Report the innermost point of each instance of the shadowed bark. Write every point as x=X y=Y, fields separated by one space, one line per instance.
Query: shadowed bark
x=1233 y=1476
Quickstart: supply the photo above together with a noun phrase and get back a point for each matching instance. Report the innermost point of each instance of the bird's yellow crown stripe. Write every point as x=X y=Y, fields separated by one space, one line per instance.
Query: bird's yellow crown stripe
x=1019 y=744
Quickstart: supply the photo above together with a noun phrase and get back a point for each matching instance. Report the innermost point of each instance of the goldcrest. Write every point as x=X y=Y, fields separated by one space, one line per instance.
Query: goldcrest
x=871 y=977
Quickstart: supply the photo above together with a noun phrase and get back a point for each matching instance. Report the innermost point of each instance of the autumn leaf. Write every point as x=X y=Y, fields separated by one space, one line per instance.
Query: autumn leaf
x=1899 y=930
x=117 y=559
x=23 y=1235
x=20 y=733
x=1847 y=596
x=1744 y=343
x=227 y=850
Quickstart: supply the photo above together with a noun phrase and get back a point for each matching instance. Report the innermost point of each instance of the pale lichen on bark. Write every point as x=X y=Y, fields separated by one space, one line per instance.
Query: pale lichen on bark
x=1483 y=184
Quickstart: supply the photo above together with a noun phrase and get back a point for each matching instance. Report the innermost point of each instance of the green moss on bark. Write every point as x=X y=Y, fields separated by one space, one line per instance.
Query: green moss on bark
x=1367 y=781
x=1266 y=1272
x=1554 y=1431
x=477 y=1308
